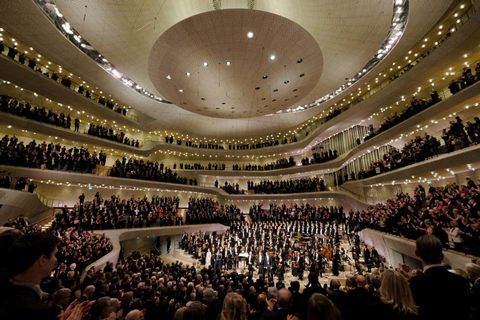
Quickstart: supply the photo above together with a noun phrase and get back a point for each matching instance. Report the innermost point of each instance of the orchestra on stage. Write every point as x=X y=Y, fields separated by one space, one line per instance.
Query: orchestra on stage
x=270 y=247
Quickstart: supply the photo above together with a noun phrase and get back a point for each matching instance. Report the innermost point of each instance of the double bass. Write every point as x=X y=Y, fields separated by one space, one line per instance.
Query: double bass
x=329 y=252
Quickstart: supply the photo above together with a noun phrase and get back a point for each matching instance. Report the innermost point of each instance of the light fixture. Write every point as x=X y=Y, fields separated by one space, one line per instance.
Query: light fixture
x=168 y=76
x=228 y=63
x=205 y=64
x=272 y=57
x=187 y=74
x=250 y=34
x=181 y=90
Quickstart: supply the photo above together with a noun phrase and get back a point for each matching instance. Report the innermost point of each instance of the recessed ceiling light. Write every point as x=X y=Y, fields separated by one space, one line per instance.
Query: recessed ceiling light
x=250 y=34
x=205 y=64
x=168 y=77
x=187 y=74
x=264 y=77
x=299 y=60
x=181 y=90
x=228 y=63
x=272 y=57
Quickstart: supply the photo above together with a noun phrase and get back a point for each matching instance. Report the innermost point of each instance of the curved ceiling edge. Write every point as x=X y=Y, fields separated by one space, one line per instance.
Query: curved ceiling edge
x=49 y=9
x=398 y=24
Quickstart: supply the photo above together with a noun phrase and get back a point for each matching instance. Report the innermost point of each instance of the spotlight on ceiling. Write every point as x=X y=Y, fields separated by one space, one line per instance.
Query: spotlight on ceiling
x=272 y=57
x=205 y=64
x=181 y=90
x=169 y=77
x=228 y=63
x=250 y=34
x=187 y=74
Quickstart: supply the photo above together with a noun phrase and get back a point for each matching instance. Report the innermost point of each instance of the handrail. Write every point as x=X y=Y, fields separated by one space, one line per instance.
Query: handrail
x=53 y=203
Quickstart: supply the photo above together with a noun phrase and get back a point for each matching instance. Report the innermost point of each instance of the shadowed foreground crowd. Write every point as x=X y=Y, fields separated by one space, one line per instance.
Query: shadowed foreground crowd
x=143 y=287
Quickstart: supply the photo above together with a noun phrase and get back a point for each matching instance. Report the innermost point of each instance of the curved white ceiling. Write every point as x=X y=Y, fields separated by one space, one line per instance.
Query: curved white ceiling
x=124 y=31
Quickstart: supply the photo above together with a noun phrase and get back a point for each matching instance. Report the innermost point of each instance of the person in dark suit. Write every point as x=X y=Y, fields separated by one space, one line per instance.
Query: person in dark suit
x=284 y=303
x=250 y=262
x=438 y=293
x=261 y=302
x=268 y=264
x=32 y=259
x=313 y=286
x=473 y=271
x=360 y=297
x=338 y=297
x=260 y=263
x=214 y=305
x=60 y=299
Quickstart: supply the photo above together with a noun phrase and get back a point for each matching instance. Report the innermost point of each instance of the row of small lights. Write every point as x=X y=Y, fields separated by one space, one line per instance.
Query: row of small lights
x=228 y=63
x=419 y=128
x=251 y=35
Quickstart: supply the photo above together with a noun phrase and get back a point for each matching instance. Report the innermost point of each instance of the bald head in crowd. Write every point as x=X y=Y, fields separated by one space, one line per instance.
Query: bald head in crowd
x=361 y=282
x=285 y=299
x=136 y=315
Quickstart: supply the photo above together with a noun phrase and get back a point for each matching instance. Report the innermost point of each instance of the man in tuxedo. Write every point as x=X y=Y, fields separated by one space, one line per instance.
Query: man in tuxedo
x=250 y=262
x=473 y=271
x=236 y=252
x=32 y=259
x=268 y=264
x=438 y=293
x=261 y=263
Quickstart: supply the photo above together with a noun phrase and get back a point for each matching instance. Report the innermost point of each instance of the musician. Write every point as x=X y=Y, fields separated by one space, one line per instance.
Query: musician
x=250 y=262
x=260 y=263
x=268 y=264
x=336 y=262
x=367 y=257
x=317 y=266
x=236 y=252
x=217 y=264
x=228 y=258
x=280 y=271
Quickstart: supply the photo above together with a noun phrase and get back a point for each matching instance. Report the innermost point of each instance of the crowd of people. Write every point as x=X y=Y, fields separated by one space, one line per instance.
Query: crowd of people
x=419 y=149
x=112 y=134
x=139 y=169
x=142 y=286
x=240 y=146
x=12 y=52
x=24 y=109
x=451 y=213
x=465 y=80
x=205 y=210
x=332 y=114
x=278 y=164
x=320 y=157
x=48 y=156
x=287 y=186
x=199 y=166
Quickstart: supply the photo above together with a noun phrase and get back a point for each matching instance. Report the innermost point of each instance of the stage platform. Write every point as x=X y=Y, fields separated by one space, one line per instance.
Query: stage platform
x=117 y=236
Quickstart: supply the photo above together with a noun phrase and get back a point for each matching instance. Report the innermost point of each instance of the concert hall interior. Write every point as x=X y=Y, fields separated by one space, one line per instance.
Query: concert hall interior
x=315 y=156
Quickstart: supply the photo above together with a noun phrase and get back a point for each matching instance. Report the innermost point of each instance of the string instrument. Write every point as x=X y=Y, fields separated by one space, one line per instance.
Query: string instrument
x=296 y=264
x=290 y=253
x=329 y=252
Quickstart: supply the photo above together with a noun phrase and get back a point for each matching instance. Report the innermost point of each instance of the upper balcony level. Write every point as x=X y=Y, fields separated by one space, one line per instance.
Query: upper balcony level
x=431 y=48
